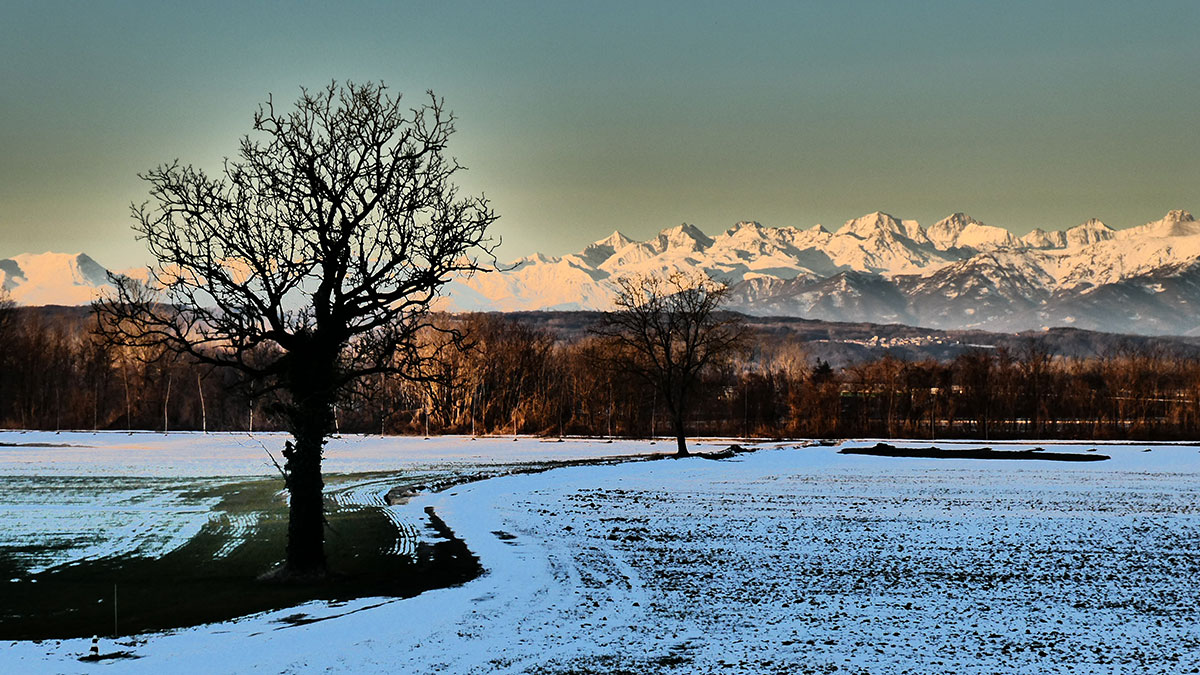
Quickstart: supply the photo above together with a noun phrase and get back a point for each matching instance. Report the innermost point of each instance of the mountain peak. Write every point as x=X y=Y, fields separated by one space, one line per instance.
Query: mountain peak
x=1089 y=232
x=684 y=235
x=746 y=225
x=52 y=278
x=1177 y=223
x=1092 y=224
x=944 y=233
x=1041 y=239
x=615 y=240
x=864 y=227
x=599 y=251
x=747 y=231
x=958 y=230
x=685 y=228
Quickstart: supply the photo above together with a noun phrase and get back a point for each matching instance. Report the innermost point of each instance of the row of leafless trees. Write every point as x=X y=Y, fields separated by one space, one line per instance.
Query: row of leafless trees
x=518 y=378
x=55 y=374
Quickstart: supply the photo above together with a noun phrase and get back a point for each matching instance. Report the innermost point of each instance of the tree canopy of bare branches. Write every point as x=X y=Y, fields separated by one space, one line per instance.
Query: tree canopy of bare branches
x=308 y=263
x=667 y=330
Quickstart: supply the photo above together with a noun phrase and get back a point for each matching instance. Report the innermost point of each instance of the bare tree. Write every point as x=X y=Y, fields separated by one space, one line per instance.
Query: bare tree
x=668 y=331
x=975 y=372
x=310 y=262
x=1035 y=363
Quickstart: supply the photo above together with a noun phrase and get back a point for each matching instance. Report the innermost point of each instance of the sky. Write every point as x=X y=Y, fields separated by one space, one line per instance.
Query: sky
x=577 y=119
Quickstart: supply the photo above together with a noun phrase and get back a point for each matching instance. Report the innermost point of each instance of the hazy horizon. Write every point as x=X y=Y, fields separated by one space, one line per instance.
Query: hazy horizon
x=577 y=121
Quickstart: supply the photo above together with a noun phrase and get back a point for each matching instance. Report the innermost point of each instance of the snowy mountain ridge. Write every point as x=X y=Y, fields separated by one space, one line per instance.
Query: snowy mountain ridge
x=958 y=273
x=52 y=278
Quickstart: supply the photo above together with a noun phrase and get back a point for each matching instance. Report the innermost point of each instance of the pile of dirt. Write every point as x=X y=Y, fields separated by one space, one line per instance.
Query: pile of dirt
x=888 y=450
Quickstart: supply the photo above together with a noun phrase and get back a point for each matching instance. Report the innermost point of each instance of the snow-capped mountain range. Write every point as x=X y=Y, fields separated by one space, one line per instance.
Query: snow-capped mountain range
x=52 y=278
x=958 y=273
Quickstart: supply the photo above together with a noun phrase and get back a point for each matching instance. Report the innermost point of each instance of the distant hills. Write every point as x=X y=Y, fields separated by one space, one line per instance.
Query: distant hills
x=956 y=274
x=842 y=343
x=839 y=343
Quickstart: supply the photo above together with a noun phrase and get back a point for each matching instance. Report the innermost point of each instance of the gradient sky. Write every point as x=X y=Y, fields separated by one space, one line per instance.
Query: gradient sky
x=577 y=119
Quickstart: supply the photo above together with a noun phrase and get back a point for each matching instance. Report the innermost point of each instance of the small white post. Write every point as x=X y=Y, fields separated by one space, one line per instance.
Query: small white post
x=166 y=406
x=203 y=411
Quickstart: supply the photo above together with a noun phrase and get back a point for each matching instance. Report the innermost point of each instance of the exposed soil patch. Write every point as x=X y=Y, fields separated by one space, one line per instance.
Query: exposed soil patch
x=110 y=656
x=402 y=493
x=888 y=450
x=42 y=445
x=728 y=453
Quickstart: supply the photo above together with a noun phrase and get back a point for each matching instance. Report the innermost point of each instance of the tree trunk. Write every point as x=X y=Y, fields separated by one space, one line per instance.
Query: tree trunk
x=680 y=436
x=311 y=417
x=306 y=513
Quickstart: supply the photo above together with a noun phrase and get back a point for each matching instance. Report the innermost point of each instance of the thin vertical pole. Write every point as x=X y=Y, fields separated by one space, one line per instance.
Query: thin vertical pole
x=128 y=409
x=610 y=410
x=203 y=411
x=166 y=406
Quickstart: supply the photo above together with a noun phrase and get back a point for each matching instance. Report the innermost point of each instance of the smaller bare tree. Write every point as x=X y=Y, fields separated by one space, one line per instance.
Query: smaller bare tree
x=668 y=331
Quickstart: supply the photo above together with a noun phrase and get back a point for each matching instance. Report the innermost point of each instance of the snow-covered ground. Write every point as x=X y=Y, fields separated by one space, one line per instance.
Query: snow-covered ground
x=192 y=454
x=786 y=560
x=73 y=496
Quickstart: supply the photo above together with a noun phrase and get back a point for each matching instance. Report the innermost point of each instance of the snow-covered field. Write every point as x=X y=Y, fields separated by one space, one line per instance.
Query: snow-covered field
x=74 y=495
x=786 y=560
x=190 y=455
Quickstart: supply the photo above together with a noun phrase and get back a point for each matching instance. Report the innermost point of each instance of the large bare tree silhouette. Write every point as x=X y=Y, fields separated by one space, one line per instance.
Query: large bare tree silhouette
x=309 y=262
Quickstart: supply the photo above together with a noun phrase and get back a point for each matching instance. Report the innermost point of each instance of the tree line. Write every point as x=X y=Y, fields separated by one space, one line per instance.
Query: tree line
x=496 y=375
